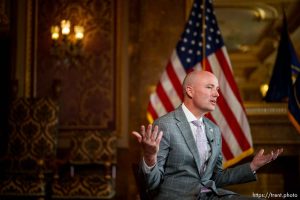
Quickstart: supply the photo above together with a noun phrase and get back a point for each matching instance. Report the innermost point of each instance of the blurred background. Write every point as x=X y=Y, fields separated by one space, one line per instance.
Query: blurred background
x=99 y=60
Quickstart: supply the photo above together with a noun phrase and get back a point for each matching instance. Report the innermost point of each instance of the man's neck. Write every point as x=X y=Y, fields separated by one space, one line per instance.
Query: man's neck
x=198 y=114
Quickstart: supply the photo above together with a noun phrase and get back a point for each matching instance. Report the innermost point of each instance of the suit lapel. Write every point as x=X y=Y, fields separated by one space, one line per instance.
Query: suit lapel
x=209 y=132
x=186 y=132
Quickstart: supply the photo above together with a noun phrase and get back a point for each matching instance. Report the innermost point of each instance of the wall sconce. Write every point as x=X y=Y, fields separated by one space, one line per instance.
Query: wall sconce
x=67 y=45
x=263 y=89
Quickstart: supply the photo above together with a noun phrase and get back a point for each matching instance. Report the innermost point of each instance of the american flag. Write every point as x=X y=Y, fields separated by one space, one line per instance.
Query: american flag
x=189 y=55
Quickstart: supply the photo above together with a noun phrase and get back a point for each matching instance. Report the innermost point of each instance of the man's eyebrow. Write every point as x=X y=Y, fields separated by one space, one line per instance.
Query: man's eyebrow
x=211 y=84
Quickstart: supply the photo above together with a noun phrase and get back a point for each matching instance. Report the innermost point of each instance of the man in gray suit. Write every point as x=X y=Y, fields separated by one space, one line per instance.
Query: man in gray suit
x=175 y=165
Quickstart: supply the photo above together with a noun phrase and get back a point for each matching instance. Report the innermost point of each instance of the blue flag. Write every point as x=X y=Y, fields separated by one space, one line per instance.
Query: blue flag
x=294 y=104
x=285 y=84
x=281 y=82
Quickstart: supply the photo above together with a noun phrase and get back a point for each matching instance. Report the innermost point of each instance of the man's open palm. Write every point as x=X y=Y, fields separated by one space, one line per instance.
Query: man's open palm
x=150 y=140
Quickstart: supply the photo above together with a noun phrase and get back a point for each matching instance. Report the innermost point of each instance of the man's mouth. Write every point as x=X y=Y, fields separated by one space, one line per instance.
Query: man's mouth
x=213 y=101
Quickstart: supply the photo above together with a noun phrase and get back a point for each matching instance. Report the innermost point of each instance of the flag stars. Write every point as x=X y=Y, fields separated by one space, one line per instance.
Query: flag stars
x=191 y=44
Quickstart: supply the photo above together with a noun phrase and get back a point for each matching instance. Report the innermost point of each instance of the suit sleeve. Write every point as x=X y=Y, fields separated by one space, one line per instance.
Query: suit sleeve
x=239 y=174
x=154 y=177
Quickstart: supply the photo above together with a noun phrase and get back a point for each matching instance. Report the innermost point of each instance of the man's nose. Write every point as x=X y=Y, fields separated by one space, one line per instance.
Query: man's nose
x=216 y=93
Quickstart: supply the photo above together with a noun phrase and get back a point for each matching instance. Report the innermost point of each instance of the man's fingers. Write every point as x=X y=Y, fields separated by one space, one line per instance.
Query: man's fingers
x=154 y=133
x=143 y=131
x=148 y=132
x=137 y=135
x=261 y=152
x=278 y=152
x=271 y=156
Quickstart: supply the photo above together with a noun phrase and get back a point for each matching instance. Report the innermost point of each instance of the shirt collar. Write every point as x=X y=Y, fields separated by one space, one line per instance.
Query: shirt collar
x=189 y=115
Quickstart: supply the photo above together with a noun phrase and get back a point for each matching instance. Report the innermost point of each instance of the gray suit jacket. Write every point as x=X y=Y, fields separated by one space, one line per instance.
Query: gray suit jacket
x=176 y=174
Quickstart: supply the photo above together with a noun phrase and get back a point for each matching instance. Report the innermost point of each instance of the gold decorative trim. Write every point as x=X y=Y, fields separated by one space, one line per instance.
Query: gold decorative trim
x=261 y=108
x=122 y=72
x=28 y=40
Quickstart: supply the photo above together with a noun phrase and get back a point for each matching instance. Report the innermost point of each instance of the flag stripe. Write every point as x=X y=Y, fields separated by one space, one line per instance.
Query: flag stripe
x=232 y=122
x=157 y=105
x=231 y=119
x=228 y=73
x=152 y=112
x=174 y=80
x=178 y=67
x=169 y=90
x=230 y=97
x=227 y=133
x=164 y=98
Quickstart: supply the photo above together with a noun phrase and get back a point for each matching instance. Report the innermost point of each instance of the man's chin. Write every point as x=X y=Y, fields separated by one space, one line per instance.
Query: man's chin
x=212 y=108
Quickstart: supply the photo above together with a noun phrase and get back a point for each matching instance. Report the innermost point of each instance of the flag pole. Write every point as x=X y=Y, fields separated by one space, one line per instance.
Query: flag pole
x=203 y=36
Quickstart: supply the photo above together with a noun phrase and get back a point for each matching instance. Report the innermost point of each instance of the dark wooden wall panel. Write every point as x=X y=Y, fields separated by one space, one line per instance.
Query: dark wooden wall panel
x=87 y=88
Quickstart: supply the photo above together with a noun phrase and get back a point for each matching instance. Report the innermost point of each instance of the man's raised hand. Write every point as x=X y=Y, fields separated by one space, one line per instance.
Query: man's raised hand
x=150 y=140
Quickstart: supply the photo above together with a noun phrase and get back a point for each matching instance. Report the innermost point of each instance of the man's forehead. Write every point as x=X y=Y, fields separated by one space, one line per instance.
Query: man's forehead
x=208 y=80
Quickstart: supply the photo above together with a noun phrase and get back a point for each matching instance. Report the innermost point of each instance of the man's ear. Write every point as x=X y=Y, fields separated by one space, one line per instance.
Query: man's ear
x=189 y=91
